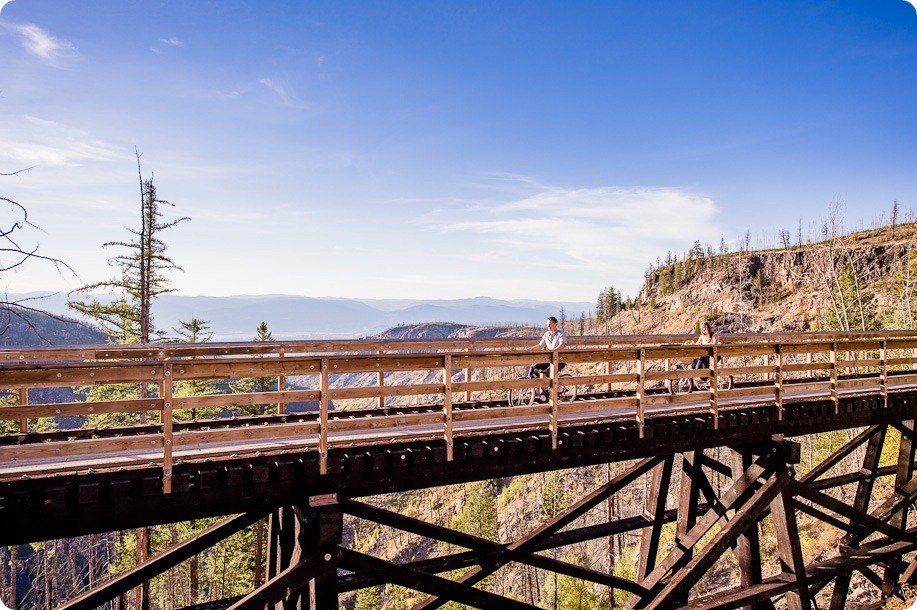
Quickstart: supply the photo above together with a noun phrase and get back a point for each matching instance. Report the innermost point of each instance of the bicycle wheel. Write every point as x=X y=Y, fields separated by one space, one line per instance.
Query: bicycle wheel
x=566 y=393
x=521 y=397
x=682 y=385
x=724 y=382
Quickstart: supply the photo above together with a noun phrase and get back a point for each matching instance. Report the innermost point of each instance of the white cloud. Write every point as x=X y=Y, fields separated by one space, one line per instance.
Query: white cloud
x=32 y=141
x=167 y=42
x=43 y=45
x=614 y=231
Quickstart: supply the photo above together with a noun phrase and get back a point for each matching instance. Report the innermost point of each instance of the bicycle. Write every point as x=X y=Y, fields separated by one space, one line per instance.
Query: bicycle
x=686 y=385
x=525 y=397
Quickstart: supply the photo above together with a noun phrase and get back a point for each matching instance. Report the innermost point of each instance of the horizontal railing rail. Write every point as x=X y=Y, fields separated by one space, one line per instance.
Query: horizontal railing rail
x=353 y=390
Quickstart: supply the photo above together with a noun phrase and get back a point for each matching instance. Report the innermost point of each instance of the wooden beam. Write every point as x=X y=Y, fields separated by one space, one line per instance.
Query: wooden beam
x=426 y=583
x=654 y=507
x=291 y=580
x=746 y=516
x=484 y=549
x=160 y=563
x=567 y=516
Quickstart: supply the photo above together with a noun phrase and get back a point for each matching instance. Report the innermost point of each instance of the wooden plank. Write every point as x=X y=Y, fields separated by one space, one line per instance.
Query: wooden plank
x=815 y=366
x=501 y=412
x=894 y=343
x=389 y=390
x=506 y=384
x=447 y=407
x=871 y=363
x=46 y=376
x=727 y=351
x=758 y=369
x=804 y=348
x=497 y=360
x=686 y=351
x=677 y=374
x=371 y=364
x=385 y=421
x=61 y=449
x=901 y=361
x=244 y=399
x=808 y=386
x=75 y=409
x=669 y=399
x=587 y=356
x=600 y=379
x=601 y=404
x=167 y=559
x=764 y=390
x=165 y=389
x=245 y=433
x=246 y=367
x=859 y=345
x=858 y=383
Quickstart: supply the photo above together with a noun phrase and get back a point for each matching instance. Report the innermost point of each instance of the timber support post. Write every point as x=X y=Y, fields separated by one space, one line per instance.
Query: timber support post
x=303 y=558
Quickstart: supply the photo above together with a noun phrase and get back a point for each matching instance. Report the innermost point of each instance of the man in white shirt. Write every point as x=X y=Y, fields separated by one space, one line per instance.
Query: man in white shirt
x=551 y=340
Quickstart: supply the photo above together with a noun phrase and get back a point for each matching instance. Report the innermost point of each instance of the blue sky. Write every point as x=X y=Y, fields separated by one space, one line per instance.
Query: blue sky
x=434 y=149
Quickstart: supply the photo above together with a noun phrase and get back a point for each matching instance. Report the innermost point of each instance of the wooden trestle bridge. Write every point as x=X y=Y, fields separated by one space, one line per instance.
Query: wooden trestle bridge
x=388 y=416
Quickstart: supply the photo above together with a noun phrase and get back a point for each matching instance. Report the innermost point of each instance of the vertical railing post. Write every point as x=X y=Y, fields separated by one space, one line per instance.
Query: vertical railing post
x=447 y=405
x=23 y=401
x=380 y=378
x=470 y=348
x=778 y=380
x=323 y=420
x=641 y=390
x=809 y=359
x=553 y=391
x=834 y=398
x=165 y=392
x=281 y=386
x=714 y=386
x=883 y=371
x=608 y=370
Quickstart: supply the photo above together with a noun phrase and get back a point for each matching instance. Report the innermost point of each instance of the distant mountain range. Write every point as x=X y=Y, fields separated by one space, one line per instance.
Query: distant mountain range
x=235 y=318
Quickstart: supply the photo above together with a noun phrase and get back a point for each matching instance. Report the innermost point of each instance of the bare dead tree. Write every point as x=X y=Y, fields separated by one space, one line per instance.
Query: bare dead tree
x=14 y=254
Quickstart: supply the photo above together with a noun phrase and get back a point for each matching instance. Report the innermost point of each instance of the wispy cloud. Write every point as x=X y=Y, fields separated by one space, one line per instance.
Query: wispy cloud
x=43 y=45
x=283 y=91
x=167 y=42
x=610 y=230
x=31 y=141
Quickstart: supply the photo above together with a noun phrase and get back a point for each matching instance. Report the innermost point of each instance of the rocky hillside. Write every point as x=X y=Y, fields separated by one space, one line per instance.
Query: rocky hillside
x=861 y=281
x=445 y=330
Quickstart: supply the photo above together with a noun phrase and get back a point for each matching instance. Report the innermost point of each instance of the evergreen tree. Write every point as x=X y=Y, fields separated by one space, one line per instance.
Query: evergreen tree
x=195 y=330
x=143 y=270
x=368 y=599
x=249 y=385
x=143 y=275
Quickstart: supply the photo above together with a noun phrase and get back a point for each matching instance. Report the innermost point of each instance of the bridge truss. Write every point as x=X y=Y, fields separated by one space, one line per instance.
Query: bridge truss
x=308 y=491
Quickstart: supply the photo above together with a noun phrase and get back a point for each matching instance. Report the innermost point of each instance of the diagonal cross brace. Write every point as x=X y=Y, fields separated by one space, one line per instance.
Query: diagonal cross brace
x=524 y=545
x=294 y=578
x=427 y=583
x=747 y=516
x=737 y=494
x=160 y=563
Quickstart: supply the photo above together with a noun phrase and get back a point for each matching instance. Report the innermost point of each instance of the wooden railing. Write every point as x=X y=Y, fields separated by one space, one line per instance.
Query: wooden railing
x=439 y=387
